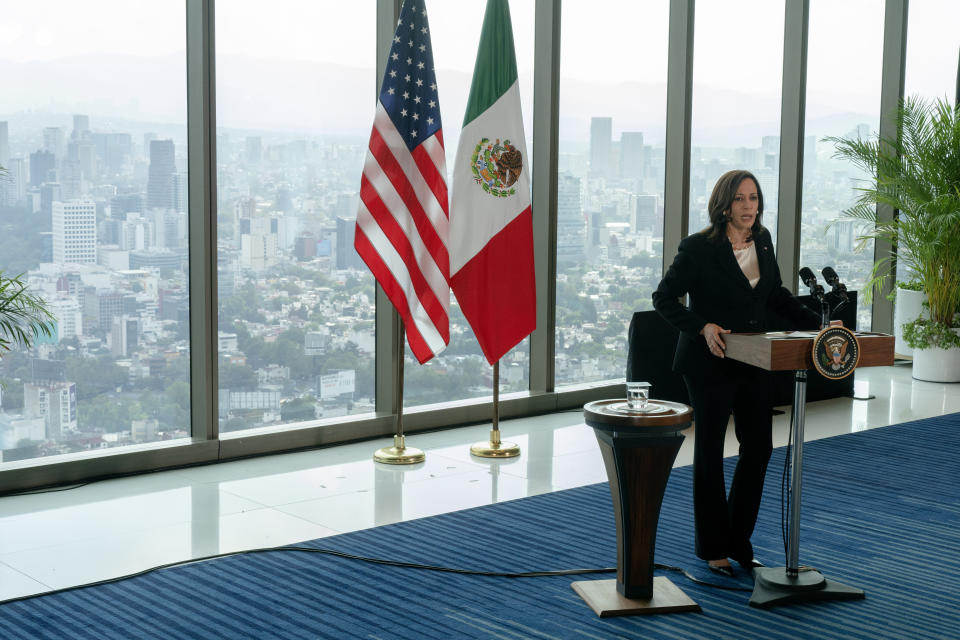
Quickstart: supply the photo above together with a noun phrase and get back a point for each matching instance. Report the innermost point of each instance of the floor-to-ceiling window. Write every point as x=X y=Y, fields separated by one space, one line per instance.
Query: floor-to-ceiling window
x=93 y=133
x=612 y=115
x=461 y=371
x=94 y=215
x=737 y=74
x=933 y=48
x=843 y=99
x=295 y=103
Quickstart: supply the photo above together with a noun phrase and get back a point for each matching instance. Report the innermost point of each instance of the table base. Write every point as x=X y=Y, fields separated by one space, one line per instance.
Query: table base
x=606 y=601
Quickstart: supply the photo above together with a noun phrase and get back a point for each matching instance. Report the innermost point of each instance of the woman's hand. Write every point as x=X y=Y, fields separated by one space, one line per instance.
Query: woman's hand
x=711 y=333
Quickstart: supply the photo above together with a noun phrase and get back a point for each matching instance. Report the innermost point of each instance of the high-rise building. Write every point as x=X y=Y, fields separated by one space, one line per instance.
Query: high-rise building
x=49 y=193
x=305 y=246
x=71 y=173
x=643 y=215
x=14 y=188
x=258 y=250
x=770 y=185
x=842 y=235
x=53 y=140
x=601 y=146
x=43 y=168
x=100 y=307
x=74 y=232
x=770 y=144
x=55 y=402
x=87 y=156
x=123 y=336
x=113 y=150
x=254 y=149
x=161 y=193
x=68 y=314
x=748 y=158
x=81 y=128
x=571 y=225
x=124 y=203
x=347 y=204
x=170 y=228
x=137 y=232
x=4 y=143
x=181 y=192
x=632 y=155
x=346 y=256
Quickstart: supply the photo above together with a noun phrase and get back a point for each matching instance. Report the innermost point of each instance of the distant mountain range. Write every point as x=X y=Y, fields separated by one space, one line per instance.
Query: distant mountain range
x=302 y=97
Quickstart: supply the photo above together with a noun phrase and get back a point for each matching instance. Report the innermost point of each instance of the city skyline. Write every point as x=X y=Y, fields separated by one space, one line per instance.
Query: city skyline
x=281 y=262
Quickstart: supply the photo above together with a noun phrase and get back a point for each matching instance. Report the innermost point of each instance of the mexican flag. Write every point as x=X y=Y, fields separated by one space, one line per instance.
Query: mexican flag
x=491 y=222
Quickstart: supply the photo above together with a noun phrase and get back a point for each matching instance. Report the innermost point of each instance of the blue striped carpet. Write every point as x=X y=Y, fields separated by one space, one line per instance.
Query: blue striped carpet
x=881 y=512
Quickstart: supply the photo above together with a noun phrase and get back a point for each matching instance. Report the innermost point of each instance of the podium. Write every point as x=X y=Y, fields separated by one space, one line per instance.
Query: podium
x=638 y=448
x=786 y=351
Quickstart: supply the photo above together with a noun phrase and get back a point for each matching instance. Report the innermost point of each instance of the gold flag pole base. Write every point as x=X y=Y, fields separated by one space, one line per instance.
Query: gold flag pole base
x=494 y=448
x=399 y=453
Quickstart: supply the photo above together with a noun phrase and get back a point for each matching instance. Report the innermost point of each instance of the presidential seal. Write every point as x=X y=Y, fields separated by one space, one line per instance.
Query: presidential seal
x=836 y=352
x=496 y=166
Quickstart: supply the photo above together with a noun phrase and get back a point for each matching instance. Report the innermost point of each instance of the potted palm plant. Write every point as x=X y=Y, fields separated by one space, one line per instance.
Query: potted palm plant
x=919 y=176
x=23 y=316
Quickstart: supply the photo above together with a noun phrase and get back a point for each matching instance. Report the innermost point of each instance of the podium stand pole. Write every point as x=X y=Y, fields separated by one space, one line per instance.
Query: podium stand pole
x=775 y=586
x=796 y=475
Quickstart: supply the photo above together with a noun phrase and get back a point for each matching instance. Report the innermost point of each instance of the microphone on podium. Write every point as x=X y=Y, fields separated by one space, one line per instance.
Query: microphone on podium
x=833 y=280
x=816 y=289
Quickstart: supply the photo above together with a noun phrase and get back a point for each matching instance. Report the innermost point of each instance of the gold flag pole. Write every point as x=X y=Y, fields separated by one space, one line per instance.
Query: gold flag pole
x=399 y=453
x=494 y=448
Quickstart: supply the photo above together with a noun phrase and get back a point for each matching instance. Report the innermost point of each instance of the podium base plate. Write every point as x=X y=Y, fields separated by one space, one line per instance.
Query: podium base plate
x=773 y=588
x=606 y=601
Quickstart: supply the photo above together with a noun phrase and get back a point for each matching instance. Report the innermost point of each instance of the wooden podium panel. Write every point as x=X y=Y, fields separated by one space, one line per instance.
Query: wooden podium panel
x=792 y=351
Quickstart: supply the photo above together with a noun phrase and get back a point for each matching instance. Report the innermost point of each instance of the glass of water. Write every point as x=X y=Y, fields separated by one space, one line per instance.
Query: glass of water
x=638 y=393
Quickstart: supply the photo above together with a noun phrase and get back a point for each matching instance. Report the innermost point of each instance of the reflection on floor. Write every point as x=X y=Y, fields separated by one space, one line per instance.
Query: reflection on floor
x=111 y=528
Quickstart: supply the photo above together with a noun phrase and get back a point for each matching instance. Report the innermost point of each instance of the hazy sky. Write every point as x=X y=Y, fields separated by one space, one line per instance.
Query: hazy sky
x=612 y=29
x=738 y=43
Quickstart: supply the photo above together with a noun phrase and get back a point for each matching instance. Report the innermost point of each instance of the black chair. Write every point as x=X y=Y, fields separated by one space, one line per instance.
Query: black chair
x=651 y=342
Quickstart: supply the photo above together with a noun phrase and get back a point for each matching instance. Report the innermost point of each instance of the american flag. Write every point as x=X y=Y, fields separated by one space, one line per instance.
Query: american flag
x=402 y=221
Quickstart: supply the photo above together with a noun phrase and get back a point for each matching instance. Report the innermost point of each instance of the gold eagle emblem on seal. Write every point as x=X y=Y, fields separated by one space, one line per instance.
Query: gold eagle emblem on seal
x=836 y=352
x=496 y=166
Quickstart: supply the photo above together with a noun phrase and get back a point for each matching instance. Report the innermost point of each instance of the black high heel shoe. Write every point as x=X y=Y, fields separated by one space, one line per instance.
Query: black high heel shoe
x=724 y=570
x=751 y=564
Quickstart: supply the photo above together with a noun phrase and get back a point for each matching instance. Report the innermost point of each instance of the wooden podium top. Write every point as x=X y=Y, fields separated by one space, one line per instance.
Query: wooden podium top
x=792 y=350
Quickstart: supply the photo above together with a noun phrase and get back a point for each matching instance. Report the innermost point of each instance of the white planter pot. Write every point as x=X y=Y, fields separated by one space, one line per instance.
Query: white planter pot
x=936 y=364
x=908 y=307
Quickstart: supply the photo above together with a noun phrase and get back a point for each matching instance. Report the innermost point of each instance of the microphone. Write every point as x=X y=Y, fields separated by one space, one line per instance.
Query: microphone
x=833 y=280
x=816 y=290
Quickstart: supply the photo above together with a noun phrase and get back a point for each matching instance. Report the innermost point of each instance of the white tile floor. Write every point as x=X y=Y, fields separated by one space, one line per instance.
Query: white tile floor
x=115 y=527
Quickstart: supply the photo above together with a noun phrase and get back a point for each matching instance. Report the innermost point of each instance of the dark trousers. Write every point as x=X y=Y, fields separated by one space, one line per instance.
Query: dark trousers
x=724 y=523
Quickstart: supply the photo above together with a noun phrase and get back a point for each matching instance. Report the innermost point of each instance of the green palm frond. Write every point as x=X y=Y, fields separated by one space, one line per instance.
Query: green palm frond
x=918 y=175
x=23 y=316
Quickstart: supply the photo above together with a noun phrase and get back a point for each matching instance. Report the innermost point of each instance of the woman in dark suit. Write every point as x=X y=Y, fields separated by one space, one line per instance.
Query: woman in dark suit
x=731 y=275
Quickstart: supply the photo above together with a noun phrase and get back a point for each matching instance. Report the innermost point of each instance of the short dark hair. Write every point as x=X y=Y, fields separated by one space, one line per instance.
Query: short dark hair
x=724 y=191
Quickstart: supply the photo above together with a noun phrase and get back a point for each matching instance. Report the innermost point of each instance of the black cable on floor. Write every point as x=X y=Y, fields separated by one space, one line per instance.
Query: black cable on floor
x=36 y=492
x=382 y=561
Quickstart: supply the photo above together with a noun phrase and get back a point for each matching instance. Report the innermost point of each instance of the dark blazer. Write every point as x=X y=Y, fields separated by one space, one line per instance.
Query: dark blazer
x=708 y=271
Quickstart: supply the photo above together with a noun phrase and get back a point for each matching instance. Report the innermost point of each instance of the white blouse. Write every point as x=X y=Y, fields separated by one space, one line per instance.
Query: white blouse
x=747 y=259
